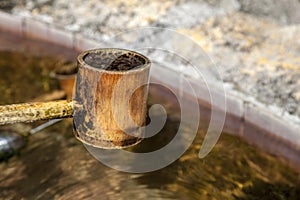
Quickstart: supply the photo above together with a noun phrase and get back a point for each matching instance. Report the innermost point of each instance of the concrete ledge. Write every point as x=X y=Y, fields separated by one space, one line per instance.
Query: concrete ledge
x=278 y=127
x=81 y=43
x=234 y=105
x=35 y=29
x=61 y=37
x=11 y=23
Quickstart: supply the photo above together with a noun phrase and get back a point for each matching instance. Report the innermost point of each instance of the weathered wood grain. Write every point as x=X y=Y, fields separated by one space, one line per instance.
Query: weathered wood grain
x=29 y=112
x=111 y=97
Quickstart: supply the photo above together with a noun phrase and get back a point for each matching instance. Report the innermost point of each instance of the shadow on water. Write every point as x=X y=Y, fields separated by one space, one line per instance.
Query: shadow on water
x=266 y=191
x=36 y=178
x=56 y=166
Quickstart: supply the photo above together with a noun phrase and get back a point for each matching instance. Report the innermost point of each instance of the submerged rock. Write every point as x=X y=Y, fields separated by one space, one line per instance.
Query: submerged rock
x=10 y=143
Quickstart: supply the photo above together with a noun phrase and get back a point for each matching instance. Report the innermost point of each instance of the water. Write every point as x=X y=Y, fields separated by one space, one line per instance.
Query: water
x=55 y=165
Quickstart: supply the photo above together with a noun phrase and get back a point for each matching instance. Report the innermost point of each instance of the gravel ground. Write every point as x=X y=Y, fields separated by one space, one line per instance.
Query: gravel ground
x=256 y=45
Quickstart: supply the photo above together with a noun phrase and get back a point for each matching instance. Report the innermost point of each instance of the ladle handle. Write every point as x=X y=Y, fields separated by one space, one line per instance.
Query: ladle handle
x=29 y=112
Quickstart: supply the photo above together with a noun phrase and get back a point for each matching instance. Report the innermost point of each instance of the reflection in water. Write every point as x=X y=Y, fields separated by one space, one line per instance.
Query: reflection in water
x=55 y=165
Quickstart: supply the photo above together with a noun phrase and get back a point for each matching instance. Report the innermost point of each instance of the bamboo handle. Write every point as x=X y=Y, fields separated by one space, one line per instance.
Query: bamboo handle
x=29 y=112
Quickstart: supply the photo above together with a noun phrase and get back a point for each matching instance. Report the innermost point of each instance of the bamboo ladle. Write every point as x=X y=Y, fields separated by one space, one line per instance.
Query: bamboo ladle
x=100 y=116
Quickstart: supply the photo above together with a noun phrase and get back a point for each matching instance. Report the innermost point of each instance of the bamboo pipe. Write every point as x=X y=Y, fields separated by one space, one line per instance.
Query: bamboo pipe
x=29 y=112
